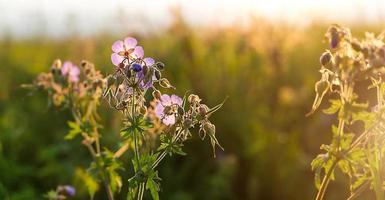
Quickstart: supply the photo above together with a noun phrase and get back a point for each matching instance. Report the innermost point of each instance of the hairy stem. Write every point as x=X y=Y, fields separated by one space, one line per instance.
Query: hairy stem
x=164 y=153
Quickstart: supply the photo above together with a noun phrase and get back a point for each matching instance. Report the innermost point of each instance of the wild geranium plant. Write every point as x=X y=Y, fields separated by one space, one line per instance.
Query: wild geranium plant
x=152 y=128
x=358 y=139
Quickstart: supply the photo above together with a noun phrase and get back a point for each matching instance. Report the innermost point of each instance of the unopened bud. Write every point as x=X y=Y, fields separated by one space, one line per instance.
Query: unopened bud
x=165 y=83
x=156 y=94
x=203 y=109
x=83 y=63
x=356 y=45
x=56 y=67
x=187 y=123
x=143 y=110
x=145 y=69
x=127 y=71
x=334 y=40
x=326 y=59
x=57 y=64
x=159 y=65
x=158 y=75
x=193 y=99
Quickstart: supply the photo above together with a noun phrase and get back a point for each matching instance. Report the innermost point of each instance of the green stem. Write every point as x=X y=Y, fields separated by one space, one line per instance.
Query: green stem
x=164 y=153
x=346 y=94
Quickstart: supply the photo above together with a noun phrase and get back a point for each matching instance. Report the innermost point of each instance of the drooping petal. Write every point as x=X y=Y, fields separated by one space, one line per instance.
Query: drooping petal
x=130 y=42
x=116 y=59
x=149 y=61
x=117 y=46
x=166 y=100
x=138 y=52
x=176 y=100
x=169 y=120
x=159 y=108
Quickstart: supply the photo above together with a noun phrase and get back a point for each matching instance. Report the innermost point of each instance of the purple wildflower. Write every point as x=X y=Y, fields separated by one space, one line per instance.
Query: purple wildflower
x=167 y=108
x=126 y=49
x=70 y=70
x=70 y=190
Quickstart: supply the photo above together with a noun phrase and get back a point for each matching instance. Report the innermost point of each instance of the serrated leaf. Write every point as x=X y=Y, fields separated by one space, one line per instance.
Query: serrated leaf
x=335 y=105
x=154 y=188
x=89 y=181
x=75 y=130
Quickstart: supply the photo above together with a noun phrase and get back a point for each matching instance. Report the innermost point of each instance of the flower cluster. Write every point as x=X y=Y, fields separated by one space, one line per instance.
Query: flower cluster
x=347 y=63
x=67 y=81
x=164 y=121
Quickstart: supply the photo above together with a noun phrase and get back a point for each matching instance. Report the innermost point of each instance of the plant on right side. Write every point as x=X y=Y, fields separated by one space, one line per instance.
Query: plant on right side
x=359 y=155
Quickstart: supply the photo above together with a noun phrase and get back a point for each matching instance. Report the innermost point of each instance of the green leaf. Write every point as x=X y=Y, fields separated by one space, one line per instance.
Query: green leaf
x=89 y=181
x=75 y=130
x=217 y=107
x=51 y=195
x=154 y=188
x=333 y=108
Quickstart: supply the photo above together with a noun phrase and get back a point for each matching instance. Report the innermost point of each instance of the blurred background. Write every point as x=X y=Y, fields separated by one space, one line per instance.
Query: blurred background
x=262 y=54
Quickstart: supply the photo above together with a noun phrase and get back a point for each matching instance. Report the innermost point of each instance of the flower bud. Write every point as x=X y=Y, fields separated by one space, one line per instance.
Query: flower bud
x=203 y=109
x=193 y=99
x=145 y=69
x=136 y=67
x=158 y=75
x=57 y=64
x=334 y=40
x=165 y=83
x=159 y=65
x=83 y=63
x=69 y=190
x=187 y=123
x=127 y=71
x=356 y=45
x=121 y=65
x=156 y=94
x=326 y=59
x=143 y=110
x=180 y=110
x=56 y=67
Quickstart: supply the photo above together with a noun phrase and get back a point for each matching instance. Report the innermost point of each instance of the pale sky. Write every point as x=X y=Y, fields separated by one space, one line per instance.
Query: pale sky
x=55 y=18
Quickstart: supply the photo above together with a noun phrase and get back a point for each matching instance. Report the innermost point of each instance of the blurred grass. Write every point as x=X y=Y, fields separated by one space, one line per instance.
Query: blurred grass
x=267 y=70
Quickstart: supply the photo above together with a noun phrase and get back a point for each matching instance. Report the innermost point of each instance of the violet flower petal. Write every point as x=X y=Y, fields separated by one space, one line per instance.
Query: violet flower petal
x=130 y=42
x=138 y=52
x=116 y=59
x=117 y=46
